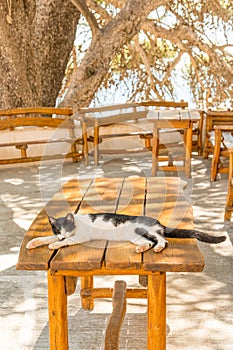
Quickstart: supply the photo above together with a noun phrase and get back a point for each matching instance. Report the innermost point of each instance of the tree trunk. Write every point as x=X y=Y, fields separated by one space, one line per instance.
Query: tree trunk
x=34 y=50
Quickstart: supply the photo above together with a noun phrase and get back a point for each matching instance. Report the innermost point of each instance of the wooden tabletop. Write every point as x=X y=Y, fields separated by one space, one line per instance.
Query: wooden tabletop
x=161 y=198
x=219 y=113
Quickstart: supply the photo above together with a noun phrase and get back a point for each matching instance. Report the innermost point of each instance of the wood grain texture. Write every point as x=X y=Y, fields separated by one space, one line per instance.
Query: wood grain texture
x=64 y=201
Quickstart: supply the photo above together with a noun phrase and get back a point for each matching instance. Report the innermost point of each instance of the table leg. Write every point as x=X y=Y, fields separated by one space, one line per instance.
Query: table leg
x=156 y=311
x=96 y=143
x=85 y=143
x=155 y=150
x=57 y=303
x=229 y=200
x=188 y=150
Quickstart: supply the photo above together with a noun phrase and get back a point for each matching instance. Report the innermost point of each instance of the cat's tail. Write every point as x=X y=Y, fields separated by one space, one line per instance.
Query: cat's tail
x=201 y=236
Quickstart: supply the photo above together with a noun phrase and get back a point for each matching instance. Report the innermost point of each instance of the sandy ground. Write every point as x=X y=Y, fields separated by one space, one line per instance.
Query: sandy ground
x=199 y=305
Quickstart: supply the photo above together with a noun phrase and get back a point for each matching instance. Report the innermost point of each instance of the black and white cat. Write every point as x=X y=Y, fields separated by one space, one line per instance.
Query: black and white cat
x=145 y=232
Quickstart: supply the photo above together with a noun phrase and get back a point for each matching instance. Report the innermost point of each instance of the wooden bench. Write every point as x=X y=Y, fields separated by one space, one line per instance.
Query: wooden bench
x=33 y=120
x=161 y=198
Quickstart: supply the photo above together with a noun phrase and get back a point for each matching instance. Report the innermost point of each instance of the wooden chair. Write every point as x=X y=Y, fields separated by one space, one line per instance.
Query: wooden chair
x=35 y=122
x=229 y=200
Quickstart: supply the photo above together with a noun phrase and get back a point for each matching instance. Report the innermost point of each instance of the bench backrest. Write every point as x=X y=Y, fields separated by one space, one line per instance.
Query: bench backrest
x=120 y=113
x=38 y=116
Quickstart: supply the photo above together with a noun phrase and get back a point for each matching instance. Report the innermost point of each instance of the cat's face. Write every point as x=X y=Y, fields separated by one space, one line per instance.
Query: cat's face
x=63 y=227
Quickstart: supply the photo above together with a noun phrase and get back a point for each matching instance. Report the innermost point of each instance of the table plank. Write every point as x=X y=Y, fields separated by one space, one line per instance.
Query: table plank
x=174 y=211
x=131 y=202
x=168 y=206
x=102 y=196
x=182 y=255
x=132 y=196
x=62 y=202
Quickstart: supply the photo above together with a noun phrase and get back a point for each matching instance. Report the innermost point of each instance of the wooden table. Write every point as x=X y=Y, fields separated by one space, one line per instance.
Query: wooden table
x=213 y=118
x=182 y=121
x=175 y=119
x=92 y=119
x=158 y=197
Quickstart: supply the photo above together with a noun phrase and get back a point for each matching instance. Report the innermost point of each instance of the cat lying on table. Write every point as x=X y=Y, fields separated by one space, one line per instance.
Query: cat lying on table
x=143 y=231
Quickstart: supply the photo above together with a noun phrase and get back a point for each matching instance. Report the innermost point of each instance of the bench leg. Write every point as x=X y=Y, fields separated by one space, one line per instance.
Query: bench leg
x=57 y=303
x=156 y=311
x=216 y=156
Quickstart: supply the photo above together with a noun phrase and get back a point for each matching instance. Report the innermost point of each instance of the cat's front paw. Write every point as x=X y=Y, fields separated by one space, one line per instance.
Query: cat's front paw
x=56 y=245
x=161 y=246
x=32 y=244
x=52 y=246
x=142 y=248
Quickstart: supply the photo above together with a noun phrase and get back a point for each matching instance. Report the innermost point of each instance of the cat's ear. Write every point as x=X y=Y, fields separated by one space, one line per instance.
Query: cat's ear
x=52 y=220
x=70 y=217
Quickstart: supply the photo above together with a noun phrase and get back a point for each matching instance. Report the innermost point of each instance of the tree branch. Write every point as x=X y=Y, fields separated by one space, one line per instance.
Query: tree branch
x=100 y=10
x=146 y=63
x=182 y=32
x=82 y=7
